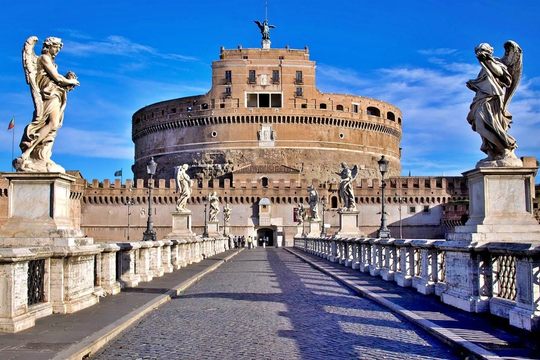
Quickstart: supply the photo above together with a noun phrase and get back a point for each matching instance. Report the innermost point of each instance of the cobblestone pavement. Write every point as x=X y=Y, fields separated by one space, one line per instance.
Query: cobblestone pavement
x=268 y=304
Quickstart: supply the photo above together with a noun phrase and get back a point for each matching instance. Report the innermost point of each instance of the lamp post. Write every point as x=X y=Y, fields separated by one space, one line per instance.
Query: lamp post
x=323 y=230
x=205 y=202
x=150 y=234
x=400 y=200
x=383 y=231
x=130 y=201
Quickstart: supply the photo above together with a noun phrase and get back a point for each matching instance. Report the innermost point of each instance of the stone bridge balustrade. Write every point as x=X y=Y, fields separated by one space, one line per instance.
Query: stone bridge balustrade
x=499 y=278
x=30 y=285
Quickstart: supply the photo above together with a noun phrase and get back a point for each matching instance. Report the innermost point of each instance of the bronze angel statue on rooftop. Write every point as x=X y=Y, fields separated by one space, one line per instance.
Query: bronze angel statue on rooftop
x=265 y=29
x=49 y=92
x=489 y=116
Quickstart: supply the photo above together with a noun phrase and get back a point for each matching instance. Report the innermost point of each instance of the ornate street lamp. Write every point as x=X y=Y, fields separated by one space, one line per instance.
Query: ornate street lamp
x=129 y=203
x=323 y=230
x=383 y=231
x=150 y=234
x=205 y=202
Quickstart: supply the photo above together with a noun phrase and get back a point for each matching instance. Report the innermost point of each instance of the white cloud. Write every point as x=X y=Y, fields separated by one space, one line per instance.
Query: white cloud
x=93 y=144
x=117 y=45
x=441 y=51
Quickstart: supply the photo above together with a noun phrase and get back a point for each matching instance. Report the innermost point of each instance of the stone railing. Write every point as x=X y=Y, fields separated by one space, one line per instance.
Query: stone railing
x=31 y=288
x=500 y=278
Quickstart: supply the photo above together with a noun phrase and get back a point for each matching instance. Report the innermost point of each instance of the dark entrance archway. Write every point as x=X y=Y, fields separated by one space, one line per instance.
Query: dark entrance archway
x=263 y=234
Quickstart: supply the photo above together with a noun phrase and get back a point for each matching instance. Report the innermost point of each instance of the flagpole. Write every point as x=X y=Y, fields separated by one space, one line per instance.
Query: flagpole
x=121 y=176
x=13 y=146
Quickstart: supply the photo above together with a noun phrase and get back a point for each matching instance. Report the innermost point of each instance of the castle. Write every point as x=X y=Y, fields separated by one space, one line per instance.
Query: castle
x=259 y=138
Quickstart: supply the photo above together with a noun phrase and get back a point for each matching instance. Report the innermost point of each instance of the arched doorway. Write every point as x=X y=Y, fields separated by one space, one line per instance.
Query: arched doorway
x=263 y=234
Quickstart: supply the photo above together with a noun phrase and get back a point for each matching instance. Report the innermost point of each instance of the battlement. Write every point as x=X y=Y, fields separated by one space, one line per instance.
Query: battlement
x=257 y=53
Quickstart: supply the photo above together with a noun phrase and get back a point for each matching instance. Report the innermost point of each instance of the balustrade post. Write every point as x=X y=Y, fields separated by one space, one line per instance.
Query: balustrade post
x=376 y=257
x=333 y=251
x=156 y=261
x=166 y=256
x=364 y=255
x=344 y=260
x=468 y=277
x=404 y=276
x=424 y=283
x=526 y=313
x=108 y=276
x=143 y=263
x=355 y=249
x=389 y=266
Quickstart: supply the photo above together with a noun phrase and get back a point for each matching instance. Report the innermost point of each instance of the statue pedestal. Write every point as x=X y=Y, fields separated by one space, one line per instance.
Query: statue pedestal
x=181 y=225
x=348 y=224
x=315 y=228
x=299 y=230
x=39 y=212
x=500 y=206
x=40 y=215
x=213 y=229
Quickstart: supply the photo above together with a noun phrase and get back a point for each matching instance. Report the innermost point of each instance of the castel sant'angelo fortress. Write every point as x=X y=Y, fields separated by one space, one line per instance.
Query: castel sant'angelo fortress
x=259 y=138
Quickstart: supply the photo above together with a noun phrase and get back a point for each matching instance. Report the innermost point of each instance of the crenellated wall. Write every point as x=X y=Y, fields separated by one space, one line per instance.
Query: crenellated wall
x=421 y=205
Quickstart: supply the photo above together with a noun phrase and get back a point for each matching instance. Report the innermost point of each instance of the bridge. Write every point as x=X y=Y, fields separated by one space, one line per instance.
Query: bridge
x=285 y=303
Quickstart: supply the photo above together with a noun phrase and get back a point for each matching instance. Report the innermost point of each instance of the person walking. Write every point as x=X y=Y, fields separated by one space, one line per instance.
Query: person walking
x=250 y=242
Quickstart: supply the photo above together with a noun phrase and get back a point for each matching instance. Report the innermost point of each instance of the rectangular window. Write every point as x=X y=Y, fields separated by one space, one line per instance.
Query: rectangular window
x=412 y=209
x=263 y=100
x=355 y=108
x=275 y=76
x=299 y=79
x=252 y=76
x=426 y=208
x=276 y=100
x=298 y=92
x=252 y=100
x=228 y=76
x=228 y=91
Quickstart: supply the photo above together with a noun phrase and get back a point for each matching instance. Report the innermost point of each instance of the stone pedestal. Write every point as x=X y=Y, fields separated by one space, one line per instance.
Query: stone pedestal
x=299 y=230
x=315 y=228
x=181 y=225
x=39 y=212
x=500 y=207
x=213 y=229
x=348 y=224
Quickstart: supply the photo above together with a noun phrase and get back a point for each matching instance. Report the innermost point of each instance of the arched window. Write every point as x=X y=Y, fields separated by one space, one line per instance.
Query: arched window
x=322 y=106
x=373 y=111
x=339 y=107
x=264 y=181
x=390 y=116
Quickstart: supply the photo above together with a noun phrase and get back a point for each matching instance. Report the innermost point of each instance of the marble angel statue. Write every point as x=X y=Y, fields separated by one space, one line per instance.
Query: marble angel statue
x=489 y=116
x=49 y=92
x=346 y=186
x=184 y=186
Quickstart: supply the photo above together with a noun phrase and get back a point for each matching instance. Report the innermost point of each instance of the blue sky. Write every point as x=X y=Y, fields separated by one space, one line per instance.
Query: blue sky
x=128 y=54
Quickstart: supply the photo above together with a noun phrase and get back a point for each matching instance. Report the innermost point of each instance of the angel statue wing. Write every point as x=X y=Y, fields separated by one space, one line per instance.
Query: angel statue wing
x=178 y=185
x=513 y=59
x=354 y=172
x=29 y=59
